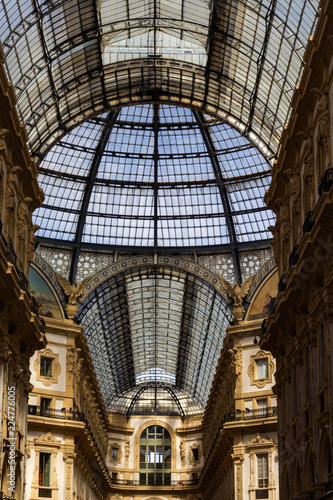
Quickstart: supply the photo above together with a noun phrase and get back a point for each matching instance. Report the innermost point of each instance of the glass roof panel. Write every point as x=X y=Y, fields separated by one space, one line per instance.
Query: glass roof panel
x=66 y=59
x=156 y=176
x=56 y=224
x=154 y=326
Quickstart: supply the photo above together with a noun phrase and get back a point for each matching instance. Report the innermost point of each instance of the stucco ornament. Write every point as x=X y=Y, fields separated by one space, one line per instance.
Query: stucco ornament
x=73 y=292
x=323 y=112
x=237 y=294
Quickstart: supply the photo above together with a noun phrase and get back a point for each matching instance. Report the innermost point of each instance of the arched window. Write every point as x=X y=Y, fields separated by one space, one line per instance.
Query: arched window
x=285 y=485
x=325 y=459
x=297 y=480
x=309 y=475
x=155 y=456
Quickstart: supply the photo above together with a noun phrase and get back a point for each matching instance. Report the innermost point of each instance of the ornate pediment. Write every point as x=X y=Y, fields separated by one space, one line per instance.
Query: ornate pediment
x=47 y=439
x=261 y=442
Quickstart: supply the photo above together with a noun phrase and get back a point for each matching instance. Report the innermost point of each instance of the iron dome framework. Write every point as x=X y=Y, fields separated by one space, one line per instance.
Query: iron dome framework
x=152 y=178
x=155 y=327
x=91 y=76
x=72 y=59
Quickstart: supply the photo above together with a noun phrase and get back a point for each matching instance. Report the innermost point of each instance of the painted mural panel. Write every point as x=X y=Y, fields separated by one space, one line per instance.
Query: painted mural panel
x=46 y=301
x=259 y=307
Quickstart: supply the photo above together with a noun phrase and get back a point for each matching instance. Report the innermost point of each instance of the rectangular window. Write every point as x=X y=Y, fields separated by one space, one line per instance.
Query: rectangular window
x=159 y=455
x=46 y=366
x=142 y=478
x=45 y=406
x=167 y=457
x=114 y=454
x=262 y=368
x=159 y=432
x=195 y=454
x=151 y=457
x=151 y=479
x=167 y=479
x=143 y=457
x=159 y=479
x=262 y=461
x=44 y=469
x=262 y=407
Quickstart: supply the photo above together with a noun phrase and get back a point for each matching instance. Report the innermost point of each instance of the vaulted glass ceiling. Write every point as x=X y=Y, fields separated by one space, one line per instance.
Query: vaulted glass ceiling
x=155 y=327
x=117 y=98
x=154 y=176
x=71 y=59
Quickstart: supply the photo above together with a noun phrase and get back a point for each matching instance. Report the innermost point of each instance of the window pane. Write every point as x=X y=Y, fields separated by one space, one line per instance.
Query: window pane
x=262 y=368
x=166 y=435
x=46 y=367
x=142 y=478
x=262 y=404
x=44 y=469
x=144 y=434
x=159 y=432
x=262 y=470
x=151 y=479
x=159 y=454
x=143 y=454
x=45 y=406
x=167 y=454
x=167 y=479
x=151 y=454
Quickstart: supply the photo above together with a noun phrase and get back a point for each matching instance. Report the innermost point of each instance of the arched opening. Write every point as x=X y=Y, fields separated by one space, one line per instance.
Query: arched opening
x=297 y=480
x=309 y=469
x=155 y=456
x=325 y=458
x=285 y=495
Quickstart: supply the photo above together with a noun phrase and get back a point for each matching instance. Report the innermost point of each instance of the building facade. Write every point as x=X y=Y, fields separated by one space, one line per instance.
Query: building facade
x=298 y=333
x=130 y=365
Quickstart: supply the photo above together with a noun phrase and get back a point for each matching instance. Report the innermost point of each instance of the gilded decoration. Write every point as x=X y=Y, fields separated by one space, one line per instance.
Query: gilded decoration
x=73 y=292
x=137 y=442
x=260 y=441
x=237 y=294
x=115 y=460
x=252 y=369
x=56 y=368
x=47 y=439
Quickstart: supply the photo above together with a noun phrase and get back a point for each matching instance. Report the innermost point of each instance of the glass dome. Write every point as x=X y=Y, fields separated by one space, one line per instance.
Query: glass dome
x=155 y=177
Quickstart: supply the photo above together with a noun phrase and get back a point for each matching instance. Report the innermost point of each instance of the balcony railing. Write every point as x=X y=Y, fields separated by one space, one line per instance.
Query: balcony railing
x=134 y=482
x=252 y=414
x=62 y=414
x=239 y=415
